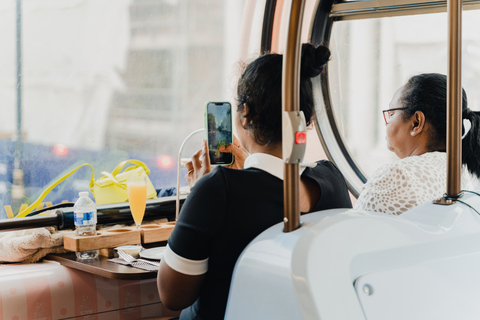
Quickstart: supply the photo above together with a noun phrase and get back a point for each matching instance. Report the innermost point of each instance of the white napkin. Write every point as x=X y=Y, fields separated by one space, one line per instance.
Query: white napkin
x=30 y=245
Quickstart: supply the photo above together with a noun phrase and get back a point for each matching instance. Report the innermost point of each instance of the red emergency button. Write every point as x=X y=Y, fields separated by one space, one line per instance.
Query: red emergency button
x=300 y=137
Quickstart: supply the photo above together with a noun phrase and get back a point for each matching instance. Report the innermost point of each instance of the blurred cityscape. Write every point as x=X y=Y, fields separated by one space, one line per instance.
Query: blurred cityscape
x=173 y=65
x=104 y=81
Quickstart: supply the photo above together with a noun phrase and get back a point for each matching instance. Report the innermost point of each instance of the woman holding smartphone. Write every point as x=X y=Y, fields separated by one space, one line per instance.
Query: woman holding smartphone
x=227 y=208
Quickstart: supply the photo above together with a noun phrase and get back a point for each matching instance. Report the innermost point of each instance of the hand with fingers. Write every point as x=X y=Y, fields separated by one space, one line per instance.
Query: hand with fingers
x=240 y=154
x=199 y=165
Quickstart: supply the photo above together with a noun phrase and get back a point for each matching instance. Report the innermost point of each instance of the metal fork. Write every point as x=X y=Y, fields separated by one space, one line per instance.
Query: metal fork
x=144 y=264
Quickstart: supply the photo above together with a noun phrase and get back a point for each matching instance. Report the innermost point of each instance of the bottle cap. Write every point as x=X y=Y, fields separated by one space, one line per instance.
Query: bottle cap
x=83 y=194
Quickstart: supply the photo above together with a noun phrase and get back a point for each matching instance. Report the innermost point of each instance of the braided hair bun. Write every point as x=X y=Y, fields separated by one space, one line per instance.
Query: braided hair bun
x=313 y=60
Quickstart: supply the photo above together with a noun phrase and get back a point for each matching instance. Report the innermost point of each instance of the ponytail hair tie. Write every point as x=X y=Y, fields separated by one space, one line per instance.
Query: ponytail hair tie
x=467 y=125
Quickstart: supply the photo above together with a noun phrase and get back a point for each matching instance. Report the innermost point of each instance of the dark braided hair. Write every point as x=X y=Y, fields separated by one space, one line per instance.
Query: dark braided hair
x=428 y=93
x=260 y=87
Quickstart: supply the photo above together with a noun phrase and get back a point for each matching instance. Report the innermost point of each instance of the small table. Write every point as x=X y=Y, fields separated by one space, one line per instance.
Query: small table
x=102 y=267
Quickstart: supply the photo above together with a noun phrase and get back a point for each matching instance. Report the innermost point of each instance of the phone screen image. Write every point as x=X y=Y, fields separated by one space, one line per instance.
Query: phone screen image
x=219 y=131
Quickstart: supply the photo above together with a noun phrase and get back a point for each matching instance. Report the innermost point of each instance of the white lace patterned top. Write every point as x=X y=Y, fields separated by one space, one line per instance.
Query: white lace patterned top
x=406 y=183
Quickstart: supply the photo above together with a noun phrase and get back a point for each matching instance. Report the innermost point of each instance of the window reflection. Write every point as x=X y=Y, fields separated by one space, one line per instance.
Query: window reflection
x=104 y=81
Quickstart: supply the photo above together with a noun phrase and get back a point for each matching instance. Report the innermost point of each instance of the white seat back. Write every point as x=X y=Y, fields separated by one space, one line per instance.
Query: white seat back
x=347 y=264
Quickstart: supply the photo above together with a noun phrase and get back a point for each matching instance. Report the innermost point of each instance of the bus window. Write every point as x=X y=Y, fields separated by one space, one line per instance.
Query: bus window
x=373 y=57
x=106 y=81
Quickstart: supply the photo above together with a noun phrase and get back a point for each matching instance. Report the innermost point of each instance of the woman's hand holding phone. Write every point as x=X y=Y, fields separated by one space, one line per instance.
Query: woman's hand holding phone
x=240 y=154
x=200 y=163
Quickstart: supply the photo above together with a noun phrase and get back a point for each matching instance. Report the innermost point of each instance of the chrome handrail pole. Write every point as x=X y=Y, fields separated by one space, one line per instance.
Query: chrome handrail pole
x=454 y=98
x=291 y=102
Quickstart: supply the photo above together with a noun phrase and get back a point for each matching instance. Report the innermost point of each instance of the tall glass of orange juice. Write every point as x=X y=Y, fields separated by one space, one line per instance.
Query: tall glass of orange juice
x=137 y=197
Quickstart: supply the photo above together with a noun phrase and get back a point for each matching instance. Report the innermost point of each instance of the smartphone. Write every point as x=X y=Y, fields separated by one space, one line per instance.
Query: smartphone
x=218 y=128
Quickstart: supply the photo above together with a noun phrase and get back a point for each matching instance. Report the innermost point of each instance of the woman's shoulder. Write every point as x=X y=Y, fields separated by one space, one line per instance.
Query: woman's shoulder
x=321 y=167
x=323 y=170
x=324 y=165
x=411 y=168
x=414 y=163
x=389 y=171
x=430 y=161
x=331 y=183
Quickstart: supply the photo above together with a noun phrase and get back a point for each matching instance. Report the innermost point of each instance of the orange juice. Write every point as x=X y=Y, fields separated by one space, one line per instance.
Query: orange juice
x=137 y=196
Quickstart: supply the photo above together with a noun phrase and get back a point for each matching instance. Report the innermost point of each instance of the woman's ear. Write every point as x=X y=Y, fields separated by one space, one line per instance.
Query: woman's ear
x=418 y=123
x=243 y=116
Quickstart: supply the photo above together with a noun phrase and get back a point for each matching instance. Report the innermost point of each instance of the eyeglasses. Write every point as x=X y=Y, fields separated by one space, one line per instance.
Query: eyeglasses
x=387 y=115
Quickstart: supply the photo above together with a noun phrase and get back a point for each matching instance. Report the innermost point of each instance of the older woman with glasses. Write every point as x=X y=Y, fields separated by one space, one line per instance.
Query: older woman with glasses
x=416 y=133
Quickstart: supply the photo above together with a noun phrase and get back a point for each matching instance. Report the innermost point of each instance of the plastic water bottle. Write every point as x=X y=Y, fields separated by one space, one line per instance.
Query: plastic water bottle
x=85 y=215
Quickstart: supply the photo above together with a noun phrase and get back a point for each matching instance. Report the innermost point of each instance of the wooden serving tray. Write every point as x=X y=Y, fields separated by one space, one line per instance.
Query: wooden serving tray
x=157 y=232
x=106 y=239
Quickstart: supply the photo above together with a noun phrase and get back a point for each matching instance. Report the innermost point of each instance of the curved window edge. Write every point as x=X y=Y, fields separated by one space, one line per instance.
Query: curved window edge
x=325 y=124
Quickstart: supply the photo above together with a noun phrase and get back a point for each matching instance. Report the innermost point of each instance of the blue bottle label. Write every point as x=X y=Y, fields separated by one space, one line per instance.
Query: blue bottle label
x=84 y=218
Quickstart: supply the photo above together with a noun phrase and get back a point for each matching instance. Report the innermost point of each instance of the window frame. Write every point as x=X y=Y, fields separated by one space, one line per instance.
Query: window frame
x=328 y=12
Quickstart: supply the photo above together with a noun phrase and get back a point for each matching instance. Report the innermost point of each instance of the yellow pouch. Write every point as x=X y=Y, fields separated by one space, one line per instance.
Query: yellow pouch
x=112 y=187
x=42 y=196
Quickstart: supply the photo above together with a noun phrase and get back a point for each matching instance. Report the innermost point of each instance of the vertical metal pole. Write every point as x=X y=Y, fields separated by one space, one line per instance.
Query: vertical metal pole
x=19 y=147
x=18 y=190
x=291 y=102
x=454 y=98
